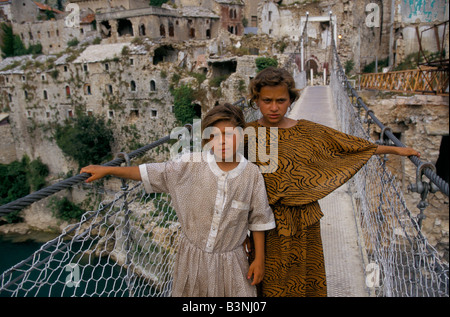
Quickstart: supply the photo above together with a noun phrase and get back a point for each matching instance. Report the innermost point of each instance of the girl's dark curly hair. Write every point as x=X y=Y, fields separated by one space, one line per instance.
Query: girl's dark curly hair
x=272 y=76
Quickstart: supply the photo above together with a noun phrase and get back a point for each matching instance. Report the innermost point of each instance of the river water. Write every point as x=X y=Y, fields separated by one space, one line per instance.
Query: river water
x=16 y=248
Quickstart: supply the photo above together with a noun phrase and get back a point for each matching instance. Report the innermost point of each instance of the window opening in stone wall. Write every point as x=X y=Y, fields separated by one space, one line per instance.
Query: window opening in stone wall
x=164 y=53
x=142 y=30
x=124 y=27
x=134 y=114
x=105 y=28
x=45 y=95
x=171 y=29
x=223 y=69
x=162 y=30
x=208 y=34
x=152 y=85
x=133 y=85
x=154 y=113
x=67 y=91
x=87 y=89
x=198 y=111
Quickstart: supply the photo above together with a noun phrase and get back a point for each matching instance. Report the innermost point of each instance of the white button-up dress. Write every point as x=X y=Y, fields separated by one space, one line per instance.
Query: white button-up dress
x=215 y=209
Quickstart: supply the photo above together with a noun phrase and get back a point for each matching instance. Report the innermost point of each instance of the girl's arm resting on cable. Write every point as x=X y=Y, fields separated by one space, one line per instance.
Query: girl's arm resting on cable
x=257 y=267
x=403 y=151
x=98 y=171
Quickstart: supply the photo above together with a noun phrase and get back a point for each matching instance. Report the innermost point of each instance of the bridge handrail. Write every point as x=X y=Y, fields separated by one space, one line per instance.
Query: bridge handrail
x=427 y=170
x=29 y=199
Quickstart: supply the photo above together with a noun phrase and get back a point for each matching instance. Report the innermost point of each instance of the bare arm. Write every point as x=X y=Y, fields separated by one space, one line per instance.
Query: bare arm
x=98 y=171
x=257 y=267
x=403 y=151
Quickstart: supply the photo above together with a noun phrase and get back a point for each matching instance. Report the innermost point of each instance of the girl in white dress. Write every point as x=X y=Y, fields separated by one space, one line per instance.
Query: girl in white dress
x=218 y=196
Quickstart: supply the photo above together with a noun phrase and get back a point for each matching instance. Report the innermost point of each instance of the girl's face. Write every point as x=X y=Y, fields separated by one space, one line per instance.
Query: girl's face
x=224 y=141
x=273 y=102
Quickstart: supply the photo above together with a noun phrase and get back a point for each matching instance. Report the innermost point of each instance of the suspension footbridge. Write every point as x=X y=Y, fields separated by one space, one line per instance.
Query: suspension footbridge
x=373 y=244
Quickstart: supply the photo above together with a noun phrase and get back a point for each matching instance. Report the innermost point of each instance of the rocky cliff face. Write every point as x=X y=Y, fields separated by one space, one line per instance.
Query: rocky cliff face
x=420 y=122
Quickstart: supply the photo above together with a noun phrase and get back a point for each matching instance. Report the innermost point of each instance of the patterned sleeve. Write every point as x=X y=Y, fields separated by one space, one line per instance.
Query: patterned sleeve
x=335 y=158
x=154 y=177
x=261 y=216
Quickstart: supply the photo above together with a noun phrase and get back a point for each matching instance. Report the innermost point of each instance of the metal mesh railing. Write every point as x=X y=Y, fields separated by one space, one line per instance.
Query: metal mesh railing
x=125 y=248
x=400 y=261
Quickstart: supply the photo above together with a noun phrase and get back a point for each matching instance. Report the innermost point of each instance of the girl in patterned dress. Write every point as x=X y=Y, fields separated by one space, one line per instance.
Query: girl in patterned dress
x=218 y=196
x=313 y=160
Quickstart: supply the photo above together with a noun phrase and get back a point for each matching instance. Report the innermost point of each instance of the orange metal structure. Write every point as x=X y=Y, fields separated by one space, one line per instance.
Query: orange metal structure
x=425 y=80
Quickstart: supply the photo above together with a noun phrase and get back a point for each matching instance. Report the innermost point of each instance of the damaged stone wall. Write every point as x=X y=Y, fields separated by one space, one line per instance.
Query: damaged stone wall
x=125 y=83
x=420 y=122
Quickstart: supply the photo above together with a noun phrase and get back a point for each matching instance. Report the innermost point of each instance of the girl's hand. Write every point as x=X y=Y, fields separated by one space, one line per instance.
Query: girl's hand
x=403 y=151
x=96 y=171
x=407 y=151
x=257 y=271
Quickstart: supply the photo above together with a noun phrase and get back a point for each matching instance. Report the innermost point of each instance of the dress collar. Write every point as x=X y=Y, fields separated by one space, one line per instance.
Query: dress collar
x=231 y=174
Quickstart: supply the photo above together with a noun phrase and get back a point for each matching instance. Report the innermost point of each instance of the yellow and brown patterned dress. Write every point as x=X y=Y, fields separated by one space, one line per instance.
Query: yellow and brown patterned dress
x=313 y=160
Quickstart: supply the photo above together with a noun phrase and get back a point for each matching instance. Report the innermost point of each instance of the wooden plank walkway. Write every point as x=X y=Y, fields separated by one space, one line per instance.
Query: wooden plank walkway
x=343 y=258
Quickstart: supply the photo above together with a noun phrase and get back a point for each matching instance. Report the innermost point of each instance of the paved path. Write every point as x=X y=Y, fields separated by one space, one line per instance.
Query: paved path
x=343 y=260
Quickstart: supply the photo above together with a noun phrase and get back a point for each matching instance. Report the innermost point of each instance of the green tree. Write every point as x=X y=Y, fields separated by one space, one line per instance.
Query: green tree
x=183 y=107
x=18 y=179
x=86 y=139
x=65 y=209
x=12 y=45
x=157 y=3
x=264 y=62
x=7 y=44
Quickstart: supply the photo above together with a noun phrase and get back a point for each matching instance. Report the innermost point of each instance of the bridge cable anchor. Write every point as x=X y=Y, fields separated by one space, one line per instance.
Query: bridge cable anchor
x=381 y=140
x=124 y=156
x=423 y=188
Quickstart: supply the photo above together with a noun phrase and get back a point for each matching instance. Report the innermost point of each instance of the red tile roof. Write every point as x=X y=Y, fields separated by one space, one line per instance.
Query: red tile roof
x=42 y=6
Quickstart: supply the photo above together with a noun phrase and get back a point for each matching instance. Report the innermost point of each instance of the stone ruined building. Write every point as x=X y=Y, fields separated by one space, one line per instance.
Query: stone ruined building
x=125 y=76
